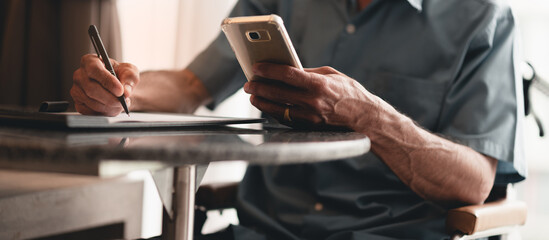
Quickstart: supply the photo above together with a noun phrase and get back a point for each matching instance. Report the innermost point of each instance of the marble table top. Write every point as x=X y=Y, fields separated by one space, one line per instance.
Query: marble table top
x=118 y=151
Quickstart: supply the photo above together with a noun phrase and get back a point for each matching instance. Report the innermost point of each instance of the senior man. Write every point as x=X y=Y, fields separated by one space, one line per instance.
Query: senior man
x=433 y=83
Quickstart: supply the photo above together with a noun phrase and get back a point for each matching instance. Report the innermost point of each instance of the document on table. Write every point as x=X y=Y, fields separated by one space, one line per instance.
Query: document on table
x=135 y=120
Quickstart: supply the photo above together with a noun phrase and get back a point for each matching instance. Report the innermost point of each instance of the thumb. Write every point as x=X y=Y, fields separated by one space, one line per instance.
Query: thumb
x=128 y=75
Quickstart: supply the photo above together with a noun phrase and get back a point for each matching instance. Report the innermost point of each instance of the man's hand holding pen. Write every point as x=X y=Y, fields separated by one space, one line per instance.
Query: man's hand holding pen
x=95 y=89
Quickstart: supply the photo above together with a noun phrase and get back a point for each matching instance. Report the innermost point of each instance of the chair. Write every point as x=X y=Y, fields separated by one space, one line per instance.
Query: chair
x=499 y=216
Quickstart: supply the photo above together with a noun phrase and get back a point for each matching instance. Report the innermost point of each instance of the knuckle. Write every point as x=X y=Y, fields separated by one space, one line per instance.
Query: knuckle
x=252 y=85
x=87 y=59
x=80 y=76
x=77 y=94
x=290 y=73
x=80 y=108
x=258 y=103
x=312 y=119
x=113 y=112
x=128 y=75
x=315 y=103
x=84 y=109
x=258 y=89
x=319 y=84
x=113 y=61
x=96 y=106
x=133 y=67
x=322 y=83
x=93 y=93
x=315 y=85
x=73 y=92
x=76 y=75
x=316 y=120
x=128 y=67
x=253 y=101
x=113 y=103
x=123 y=74
x=84 y=59
x=125 y=65
x=105 y=79
x=93 y=71
x=136 y=80
x=328 y=69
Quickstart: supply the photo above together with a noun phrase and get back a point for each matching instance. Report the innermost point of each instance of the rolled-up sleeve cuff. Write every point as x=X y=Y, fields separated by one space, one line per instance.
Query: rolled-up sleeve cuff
x=509 y=169
x=218 y=70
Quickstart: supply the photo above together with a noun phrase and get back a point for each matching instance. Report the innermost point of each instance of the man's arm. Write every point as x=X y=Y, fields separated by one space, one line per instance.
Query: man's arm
x=433 y=167
x=169 y=91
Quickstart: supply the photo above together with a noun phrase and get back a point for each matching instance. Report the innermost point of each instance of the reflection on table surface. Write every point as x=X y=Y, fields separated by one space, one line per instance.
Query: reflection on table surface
x=175 y=146
x=221 y=134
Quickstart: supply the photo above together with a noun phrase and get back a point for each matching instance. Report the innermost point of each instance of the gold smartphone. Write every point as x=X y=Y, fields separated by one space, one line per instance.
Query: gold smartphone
x=259 y=39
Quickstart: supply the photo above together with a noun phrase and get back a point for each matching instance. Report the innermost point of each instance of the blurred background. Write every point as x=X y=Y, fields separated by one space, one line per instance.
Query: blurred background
x=168 y=34
x=532 y=17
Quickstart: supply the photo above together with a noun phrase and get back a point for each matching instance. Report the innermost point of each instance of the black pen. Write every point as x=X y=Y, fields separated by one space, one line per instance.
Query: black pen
x=102 y=53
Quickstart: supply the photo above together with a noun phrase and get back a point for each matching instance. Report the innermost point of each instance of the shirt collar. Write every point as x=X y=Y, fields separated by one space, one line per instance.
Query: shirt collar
x=416 y=4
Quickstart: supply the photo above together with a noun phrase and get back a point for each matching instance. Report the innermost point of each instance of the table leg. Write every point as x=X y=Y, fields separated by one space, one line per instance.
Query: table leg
x=180 y=227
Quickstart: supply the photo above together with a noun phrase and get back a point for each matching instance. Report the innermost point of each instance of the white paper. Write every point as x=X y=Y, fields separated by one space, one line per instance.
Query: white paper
x=159 y=117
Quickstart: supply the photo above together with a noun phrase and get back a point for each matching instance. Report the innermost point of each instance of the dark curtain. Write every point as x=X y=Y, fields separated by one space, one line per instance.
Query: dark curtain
x=42 y=42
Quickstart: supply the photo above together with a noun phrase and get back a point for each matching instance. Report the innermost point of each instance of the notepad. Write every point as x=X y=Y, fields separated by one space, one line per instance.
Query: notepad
x=135 y=120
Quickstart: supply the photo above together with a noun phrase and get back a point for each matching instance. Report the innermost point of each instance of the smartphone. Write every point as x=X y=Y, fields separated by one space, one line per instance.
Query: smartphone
x=259 y=39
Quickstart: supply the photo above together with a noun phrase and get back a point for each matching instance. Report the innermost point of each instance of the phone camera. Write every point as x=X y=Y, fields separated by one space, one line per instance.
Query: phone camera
x=254 y=35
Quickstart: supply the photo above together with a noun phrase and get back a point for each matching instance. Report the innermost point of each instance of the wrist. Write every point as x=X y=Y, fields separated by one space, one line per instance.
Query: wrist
x=383 y=121
x=371 y=117
x=192 y=90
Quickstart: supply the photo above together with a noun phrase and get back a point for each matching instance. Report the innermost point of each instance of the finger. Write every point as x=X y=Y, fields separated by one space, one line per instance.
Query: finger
x=83 y=109
x=275 y=110
x=94 y=90
x=95 y=69
x=276 y=92
x=91 y=104
x=284 y=94
x=287 y=74
x=322 y=70
x=298 y=115
x=80 y=96
x=128 y=75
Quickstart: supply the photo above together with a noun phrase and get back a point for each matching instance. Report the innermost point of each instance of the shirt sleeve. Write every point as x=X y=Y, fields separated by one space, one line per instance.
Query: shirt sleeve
x=483 y=108
x=217 y=66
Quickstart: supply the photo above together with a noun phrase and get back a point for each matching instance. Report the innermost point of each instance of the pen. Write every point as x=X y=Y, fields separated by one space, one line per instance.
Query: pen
x=102 y=53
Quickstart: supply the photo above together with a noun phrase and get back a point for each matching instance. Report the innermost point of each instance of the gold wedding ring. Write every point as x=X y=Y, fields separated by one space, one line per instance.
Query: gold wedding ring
x=287 y=114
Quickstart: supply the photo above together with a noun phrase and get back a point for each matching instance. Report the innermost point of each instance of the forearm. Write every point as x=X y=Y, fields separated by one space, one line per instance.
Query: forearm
x=433 y=167
x=169 y=91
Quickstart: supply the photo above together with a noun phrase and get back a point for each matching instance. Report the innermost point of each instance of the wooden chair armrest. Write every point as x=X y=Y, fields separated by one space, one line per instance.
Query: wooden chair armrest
x=217 y=195
x=476 y=218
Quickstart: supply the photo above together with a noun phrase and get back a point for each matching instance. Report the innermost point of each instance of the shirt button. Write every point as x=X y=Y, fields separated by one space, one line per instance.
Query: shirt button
x=350 y=28
x=319 y=206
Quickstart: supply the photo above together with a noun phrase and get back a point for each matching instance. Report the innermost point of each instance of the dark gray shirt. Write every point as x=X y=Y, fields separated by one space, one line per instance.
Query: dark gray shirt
x=449 y=65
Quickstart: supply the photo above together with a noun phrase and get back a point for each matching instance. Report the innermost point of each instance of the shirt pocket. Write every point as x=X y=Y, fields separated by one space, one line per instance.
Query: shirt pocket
x=419 y=99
